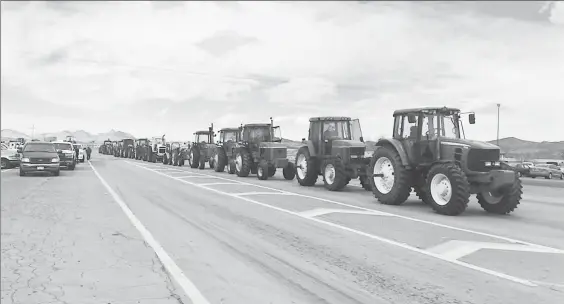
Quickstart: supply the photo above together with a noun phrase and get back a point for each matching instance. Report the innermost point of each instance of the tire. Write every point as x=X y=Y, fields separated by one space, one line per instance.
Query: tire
x=5 y=164
x=194 y=159
x=271 y=171
x=389 y=158
x=243 y=165
x=263 y=170
x=181 y=163
x=562 y=176
x=22 y=173
x=549 y=176
x=202 y=165
x=57 y=173
x=421 y=194
x=504 y=204
x=221 y=159
x=289 y=171
x=72 y=167
x=232 y=167
x=306 y=176
x=458 y=183
x=365 y=183
x=335 y=177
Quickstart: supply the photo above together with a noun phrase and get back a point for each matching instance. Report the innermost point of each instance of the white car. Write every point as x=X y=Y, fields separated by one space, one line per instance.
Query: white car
x=81 y=152
x=10 y=157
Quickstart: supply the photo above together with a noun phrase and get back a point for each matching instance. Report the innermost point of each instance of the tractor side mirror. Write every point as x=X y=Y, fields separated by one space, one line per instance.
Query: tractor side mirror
x=472 y=118
x=361 y=139
x=303 y=139
x=411 y=118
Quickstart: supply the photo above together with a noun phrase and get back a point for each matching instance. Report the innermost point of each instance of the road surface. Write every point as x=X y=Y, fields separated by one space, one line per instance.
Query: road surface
x=128 y=231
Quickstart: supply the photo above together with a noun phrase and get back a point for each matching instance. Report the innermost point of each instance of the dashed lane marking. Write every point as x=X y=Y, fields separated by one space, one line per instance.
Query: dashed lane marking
x=186 y=284
x=323 y=211
x=354 y=231
x=217 y=184
x=456 y=249
x=261 y=193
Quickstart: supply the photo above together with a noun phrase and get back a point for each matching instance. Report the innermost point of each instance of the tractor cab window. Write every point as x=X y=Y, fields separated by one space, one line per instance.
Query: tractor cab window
x=276 y=134
x=201 y=138
x=336 y=130
x=449 y=126
x=405 y=128
x=259 y=134
x=158 y=141
x=429 y=127
x=356 y=131
x=229 y=137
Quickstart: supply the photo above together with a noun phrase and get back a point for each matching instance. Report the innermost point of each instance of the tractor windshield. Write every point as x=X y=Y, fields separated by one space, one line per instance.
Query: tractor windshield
x=336 y=130
x=142 y=141
x=449 y=126
x=158 y=141
x=201 y=138
x=230 y=136
x=439 y=124
x=259 y=134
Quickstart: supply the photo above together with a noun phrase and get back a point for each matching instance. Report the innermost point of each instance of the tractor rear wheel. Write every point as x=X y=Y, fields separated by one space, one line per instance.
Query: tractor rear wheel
x=165 y=160
x=194 y=159
x=220 y=158
x=334 y=175
x=243 y=163
x=306 y=168
x=263 y=170
x=271 y=171
x=389 y=179
x=289 y=171
x=504 y=203
x=448 y=189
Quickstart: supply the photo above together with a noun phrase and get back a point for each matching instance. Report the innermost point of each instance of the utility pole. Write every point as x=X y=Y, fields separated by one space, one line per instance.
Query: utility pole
x=498 y=105
x=33 y=131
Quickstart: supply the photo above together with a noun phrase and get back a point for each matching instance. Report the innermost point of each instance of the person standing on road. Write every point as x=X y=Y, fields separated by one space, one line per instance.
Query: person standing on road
x=88 y=152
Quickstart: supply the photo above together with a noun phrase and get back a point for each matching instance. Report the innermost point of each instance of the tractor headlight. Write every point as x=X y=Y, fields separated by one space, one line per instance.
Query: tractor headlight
x=492 y=164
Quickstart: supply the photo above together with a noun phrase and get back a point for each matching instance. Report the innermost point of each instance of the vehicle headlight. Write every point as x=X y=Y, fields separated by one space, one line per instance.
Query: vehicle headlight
x=69 y=154
x=55 y=160
x=25 y=160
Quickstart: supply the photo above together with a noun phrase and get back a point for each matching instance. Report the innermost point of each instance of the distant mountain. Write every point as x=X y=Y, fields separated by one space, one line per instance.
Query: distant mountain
x=80 y=135
x=524 y=149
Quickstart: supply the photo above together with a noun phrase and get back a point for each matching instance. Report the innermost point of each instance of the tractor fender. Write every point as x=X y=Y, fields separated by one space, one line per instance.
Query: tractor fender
x=310 y=148
x=396 y=145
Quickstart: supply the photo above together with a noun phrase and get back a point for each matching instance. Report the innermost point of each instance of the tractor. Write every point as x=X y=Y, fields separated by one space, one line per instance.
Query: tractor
x=141 y=149
x=261 y=151
x=115 y=148
x=429 y=154
x=106 y=147
x=202 y=149
x=172 y=154
x=336 y=150
x=157 y=150
x=224 y=154
x=128 y=148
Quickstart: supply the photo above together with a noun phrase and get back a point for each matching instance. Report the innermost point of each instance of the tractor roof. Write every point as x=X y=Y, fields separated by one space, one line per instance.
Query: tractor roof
x=229 y=130
x=256 y=125
x=202 y=132
x=424 y=109
x=141 y=138
x=330 y=118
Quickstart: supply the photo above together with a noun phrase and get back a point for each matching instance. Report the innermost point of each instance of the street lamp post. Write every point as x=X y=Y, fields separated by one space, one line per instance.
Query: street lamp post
x=498 y=105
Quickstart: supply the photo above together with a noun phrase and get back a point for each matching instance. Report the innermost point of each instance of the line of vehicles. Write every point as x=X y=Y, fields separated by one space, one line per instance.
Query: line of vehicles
x=427 y=153
x=549 y=170
x=44 y=156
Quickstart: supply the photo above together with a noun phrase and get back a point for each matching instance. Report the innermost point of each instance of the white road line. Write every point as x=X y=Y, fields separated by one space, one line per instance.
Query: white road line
x=216 y=184
x=456 y=249
x=189 y=176
x=6 y=170
x=381 y=239
x=262 y=193
x=323 y=211
x=189 y=288
x=507 y=239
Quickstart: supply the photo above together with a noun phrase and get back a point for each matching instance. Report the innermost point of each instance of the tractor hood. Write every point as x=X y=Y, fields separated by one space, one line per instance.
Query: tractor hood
x=348 y=143
x=468 y=143
x=272 y=145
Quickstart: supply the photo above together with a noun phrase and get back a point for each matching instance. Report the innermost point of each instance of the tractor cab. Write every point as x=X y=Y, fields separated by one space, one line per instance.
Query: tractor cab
x=204 y=137
x=229 y=135
x=431 y=134
x=332 y=136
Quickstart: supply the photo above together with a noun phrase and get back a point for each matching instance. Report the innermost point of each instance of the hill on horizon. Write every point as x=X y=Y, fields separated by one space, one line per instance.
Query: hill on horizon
x=80 y=135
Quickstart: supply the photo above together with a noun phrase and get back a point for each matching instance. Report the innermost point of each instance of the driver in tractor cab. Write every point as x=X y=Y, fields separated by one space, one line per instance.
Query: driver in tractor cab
x=330 y=131
x=259 y=135
x=230 y=137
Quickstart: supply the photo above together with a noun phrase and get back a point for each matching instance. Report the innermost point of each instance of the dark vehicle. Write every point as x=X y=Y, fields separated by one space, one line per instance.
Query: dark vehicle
x=106 y=147
x=39 y=156
x=202 y=149
x=260 y=151
x=128 y=148
x=67 y=154
x=522 y=169
x=224 y=154
x=428 y=153
x=173 y=155
x=141 y=145
x=336 y=150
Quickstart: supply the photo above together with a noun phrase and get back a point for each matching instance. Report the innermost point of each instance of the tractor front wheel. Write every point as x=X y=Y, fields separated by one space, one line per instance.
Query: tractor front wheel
x=502 y=203
x=165 y=160
x=334 y=175
x=194 y=159
x=306 y=168
x=220 y=159
x=263 y=170
x=448 y=189
x=289 y=171
x=365 y=183
x=271 y=171
x=243 y=163
x=389 y=179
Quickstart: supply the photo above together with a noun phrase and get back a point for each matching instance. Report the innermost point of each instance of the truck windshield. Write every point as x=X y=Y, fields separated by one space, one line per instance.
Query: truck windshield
x=40 y=147
x=63 y=146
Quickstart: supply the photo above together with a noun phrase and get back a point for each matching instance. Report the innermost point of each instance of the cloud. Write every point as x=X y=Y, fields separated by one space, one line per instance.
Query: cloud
x=247 y=61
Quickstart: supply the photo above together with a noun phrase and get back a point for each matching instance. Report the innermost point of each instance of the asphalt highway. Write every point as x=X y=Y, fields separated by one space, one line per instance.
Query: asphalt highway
x=197 y=236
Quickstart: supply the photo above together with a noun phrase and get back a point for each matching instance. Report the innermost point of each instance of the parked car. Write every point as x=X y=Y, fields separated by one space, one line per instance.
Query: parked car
x=66 y=153
x=39 y=156
x=523 y=169
x=547 y=171
x=10 y=157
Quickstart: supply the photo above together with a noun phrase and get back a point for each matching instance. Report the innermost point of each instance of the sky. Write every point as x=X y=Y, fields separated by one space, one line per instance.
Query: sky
x=153 y=68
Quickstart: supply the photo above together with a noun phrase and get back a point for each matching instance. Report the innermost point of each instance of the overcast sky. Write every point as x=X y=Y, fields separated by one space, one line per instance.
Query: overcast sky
x=153 y=68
